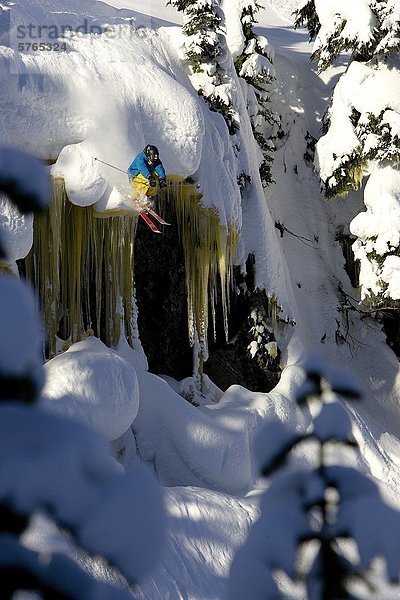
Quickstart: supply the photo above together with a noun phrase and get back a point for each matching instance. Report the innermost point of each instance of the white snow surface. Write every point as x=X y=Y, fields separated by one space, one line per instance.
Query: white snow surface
x=107 y=97
x=94 y=384
x=84 y=184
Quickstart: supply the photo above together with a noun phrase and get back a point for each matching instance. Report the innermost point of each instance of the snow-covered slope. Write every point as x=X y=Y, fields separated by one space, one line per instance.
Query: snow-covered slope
x=100 y=99
x=107 y=96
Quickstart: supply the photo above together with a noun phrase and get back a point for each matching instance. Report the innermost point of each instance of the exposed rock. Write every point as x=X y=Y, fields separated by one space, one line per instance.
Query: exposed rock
x=161 y=298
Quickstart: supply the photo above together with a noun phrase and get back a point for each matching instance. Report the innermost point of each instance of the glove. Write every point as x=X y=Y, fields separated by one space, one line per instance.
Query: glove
x=163 y=183
x=152 y=182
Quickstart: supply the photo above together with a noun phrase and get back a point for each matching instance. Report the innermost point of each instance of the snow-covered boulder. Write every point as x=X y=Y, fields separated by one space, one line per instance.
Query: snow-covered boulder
x=93 y=384
x=83 y=182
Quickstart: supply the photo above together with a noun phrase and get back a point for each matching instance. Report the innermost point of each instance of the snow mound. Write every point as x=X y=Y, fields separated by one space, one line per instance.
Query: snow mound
x=83 y=183
x=209 y=446
x=93 y=384
x=187 y=446
x=88 y=94
x=206 y=528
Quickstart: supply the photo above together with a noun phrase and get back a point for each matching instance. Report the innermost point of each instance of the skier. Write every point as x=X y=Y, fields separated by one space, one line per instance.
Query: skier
x=146 y=171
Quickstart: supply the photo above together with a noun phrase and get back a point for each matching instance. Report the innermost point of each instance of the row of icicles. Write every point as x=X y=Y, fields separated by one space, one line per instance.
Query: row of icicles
x=82 y=264
x=82 y=267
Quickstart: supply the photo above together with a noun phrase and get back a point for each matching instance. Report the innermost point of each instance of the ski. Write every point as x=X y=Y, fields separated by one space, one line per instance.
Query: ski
x=148 y=221
x=144 y=210
x=156 y=216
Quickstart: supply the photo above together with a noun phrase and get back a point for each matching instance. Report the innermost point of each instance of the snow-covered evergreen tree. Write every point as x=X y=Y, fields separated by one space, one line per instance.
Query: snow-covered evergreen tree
x=306 y=15
x=365 y=28
x=362 y=129
x=388 y=35
x=206 y=52
x=254 y=64
x=322 y=525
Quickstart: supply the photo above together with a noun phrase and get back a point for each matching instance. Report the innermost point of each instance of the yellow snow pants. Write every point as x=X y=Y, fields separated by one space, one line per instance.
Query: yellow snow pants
x=141 y=184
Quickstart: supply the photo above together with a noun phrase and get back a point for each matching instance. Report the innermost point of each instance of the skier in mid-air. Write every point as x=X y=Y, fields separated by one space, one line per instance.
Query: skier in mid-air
x=147 y=172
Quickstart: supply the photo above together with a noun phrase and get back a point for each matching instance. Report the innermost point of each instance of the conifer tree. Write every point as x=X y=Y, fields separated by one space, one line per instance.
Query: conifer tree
x=338 y=29
x=314 y=516
x=306 y=15
x=388 y=34
x=206 y=53
x=370 y=28
x=361 y=138
x=254 y=64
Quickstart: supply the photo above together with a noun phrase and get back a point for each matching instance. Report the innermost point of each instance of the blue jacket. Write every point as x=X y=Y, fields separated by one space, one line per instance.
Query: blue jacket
x=140 y=165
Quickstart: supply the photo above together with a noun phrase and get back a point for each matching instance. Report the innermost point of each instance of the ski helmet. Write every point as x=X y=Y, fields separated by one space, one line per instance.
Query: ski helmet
x=151 y=153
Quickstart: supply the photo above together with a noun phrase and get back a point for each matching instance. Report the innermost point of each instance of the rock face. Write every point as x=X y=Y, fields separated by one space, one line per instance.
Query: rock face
x=391 y=327
x=162 y=317
x=232 y=363
x=161 y=298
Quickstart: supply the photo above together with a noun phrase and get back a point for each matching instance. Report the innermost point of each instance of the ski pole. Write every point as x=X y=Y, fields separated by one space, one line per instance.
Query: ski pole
x=179 y=183
x=108 y=165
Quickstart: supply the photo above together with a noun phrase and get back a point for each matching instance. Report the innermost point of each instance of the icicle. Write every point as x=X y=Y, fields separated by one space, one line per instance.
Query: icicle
x=209 y=249
x=82 y=267
x=273 y=310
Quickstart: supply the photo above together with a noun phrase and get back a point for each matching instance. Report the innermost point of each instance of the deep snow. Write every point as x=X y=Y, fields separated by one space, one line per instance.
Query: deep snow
x=102 y=99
